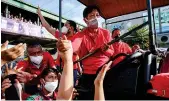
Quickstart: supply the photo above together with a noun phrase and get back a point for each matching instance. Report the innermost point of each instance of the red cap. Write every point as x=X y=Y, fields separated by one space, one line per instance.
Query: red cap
x=160 y=84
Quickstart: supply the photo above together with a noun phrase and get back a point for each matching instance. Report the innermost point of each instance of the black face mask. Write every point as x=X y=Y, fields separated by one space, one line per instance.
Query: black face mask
x=116 y=38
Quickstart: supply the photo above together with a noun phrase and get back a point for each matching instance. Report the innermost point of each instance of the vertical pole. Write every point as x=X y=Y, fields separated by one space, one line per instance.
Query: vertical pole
x=155 y=29
x=159 y=15
x=6 y=11
x=60 y=17
x=38 y=22
x=105 y=23
x=152 y=45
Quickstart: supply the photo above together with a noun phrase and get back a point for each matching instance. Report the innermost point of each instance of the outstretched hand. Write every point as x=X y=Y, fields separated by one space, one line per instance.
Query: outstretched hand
x=100 y=77
x=65 y=48
x=38 y=11
x=11 y=54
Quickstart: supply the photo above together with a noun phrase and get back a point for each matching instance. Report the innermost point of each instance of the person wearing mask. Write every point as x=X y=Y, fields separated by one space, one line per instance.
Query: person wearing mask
x=119 y=47
x=88 y=40
x=49 y=78
x=37 y=61
x=69 y=30
x=49 y=82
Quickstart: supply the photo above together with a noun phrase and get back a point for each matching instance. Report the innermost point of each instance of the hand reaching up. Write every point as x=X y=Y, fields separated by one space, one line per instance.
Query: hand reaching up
x=65 y=49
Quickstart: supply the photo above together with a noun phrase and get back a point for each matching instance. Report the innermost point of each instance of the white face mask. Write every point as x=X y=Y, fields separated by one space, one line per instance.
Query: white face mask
x=51 y=86
x=94 y=23
x=36 y=60
x=64 y=29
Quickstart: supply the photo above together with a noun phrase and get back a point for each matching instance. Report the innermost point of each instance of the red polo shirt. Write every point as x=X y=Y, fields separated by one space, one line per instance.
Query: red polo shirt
x=29 y=67
x=87 y=41
x=120 y=47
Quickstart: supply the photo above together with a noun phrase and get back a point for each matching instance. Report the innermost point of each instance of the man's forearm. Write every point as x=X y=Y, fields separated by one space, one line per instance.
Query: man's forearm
x=44 y=22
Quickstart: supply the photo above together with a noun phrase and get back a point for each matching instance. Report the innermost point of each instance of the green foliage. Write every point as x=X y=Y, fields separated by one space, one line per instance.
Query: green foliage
x=138 y=37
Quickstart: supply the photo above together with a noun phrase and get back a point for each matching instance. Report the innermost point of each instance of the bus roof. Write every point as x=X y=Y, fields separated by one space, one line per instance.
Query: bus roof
x=114 y=8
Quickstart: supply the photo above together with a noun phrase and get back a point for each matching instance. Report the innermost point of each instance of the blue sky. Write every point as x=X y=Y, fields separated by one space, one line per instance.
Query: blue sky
x=71 y=9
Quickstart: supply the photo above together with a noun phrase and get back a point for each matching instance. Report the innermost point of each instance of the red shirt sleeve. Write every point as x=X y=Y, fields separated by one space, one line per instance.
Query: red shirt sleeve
x=76 y=41
x=110 y=51
x=22 y=64
x=57 y=34
x=50 y=59
x=128 y=49
x=82 y=50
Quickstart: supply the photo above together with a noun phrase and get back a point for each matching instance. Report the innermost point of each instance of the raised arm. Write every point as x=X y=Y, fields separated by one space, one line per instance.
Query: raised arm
x=99 y=91
x=66 y=83
x=45 y=23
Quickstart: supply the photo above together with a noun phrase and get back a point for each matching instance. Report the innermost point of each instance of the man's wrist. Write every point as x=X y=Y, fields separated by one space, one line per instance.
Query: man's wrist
x=68 y=59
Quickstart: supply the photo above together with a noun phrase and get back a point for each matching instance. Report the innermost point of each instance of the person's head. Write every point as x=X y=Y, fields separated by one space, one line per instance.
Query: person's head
x=69 y=27
x=35 y=53
x=135 y=48
x=49 y=79
x=91 y=15
x=116 y=33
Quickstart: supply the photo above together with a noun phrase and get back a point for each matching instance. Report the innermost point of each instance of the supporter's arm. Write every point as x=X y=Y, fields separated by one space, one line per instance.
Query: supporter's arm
x=66 y=83
x=25 y=77
x=99 y=91
x=79 y=67
x=11 y=54
x=45 y=23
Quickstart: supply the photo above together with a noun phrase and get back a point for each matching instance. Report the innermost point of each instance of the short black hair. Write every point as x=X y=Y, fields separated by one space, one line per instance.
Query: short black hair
x=73 y=24
x=89 y=9
x=48 y=70
x=32 y=45
x=115 y=30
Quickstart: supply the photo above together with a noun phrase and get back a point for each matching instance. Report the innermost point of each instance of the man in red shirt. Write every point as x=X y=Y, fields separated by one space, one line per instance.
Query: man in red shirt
x=69 y=30
x=119 y=47
x=88 y=40
x=37 y=61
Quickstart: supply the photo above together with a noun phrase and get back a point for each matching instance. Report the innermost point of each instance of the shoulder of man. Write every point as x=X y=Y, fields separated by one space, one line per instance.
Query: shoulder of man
x=45 y=53
x=104 y=30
